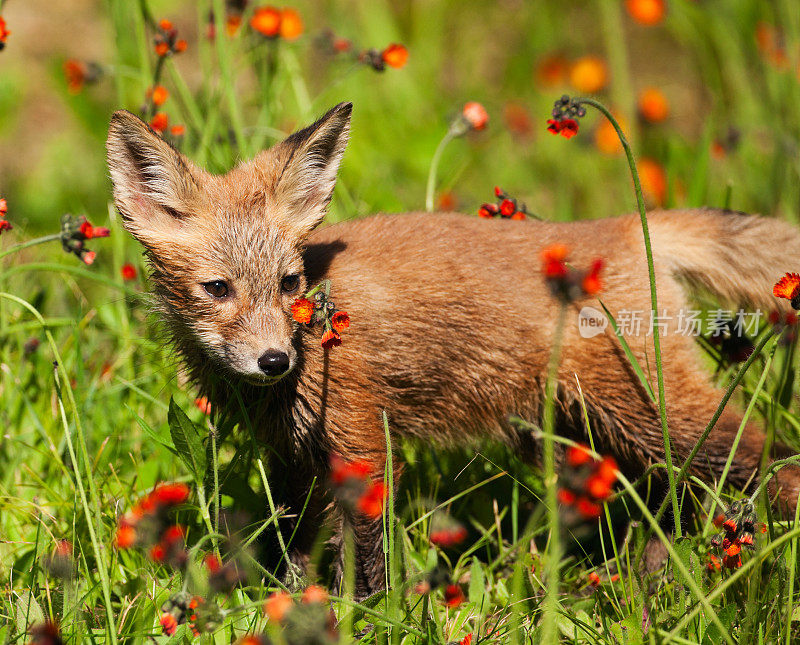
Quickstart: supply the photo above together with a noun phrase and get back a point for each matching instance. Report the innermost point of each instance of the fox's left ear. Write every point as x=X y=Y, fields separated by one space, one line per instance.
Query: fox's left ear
x=312 y=158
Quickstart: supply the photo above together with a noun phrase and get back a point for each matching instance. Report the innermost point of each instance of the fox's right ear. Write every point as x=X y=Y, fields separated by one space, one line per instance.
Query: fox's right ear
x=154 y=185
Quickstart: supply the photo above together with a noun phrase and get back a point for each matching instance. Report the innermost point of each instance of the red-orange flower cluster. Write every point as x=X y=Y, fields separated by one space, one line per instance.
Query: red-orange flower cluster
x=565 y=117
x=647 y=12
x=453 y=595
x=446 y=531
x=167 y=41
x=148 y=525
x=128 y=272
x=505 y=206
x=4 y=33
x=74 y=233
x=354 y=487
x=272 y=22
x=587 y=483
x=476 y=115
x=788 y=287
x=322 y=311
x=567 y=283
x=310 y=616
x=394 y=55
x=203 y=404
x=79 y=74
x=5 y=225
x=739 y=525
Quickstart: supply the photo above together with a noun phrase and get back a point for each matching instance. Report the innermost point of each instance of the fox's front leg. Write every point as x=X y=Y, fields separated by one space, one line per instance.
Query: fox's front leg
x=302 y=501
x=365 y=536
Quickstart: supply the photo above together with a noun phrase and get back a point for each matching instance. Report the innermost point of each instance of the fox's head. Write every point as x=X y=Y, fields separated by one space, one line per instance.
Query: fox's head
x=226 y=250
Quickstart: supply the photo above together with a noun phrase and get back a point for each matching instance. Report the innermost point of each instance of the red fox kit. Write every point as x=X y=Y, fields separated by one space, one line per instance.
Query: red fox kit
x=452 y=320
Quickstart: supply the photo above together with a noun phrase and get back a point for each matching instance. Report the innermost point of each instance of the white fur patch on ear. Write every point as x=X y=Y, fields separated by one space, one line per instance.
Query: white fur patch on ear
x=154 y=185
x=308 y=177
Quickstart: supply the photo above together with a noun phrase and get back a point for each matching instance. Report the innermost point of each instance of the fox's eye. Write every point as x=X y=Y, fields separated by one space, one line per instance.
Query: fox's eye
x=290 y=283
x=216 y=288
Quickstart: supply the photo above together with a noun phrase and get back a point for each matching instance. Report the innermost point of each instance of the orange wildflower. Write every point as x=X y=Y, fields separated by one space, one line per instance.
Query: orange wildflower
x=162 y=49
x=476 y=115
x=170 y=494
x=592 y=285
x=177 y=130
x=159 y=95
x=788 y=287
x=277 y=606
x=232 y=24
x=552 y=71
x=125 y=537
x=159 y=122
x=128 y=271
x=653 y=105
x=395 y=55
x=646 y=12
x=589 y=74
x=75 y=73
x=579 y=455
x=340 y=321
x=553 y=258
x=588 y=509
x=4 y=33
x=169 y=624
x=342 y=45
x=202 y=403
x=266 y=21
x=331 y=339
x=302 y=310
x=653 y=178
x=714 y=563
x=449 y=536
x=447 y=201
x=315 y=594
x=594 y=579
x=453 y=596
x=566 y=496
x=606 y=138
x=342 y=470
x=291 y=26
x=371 y=502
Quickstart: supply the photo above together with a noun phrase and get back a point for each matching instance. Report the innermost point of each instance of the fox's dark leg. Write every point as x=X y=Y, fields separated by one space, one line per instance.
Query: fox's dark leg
x=303 y=515
x=366 y=539
x=367 y=543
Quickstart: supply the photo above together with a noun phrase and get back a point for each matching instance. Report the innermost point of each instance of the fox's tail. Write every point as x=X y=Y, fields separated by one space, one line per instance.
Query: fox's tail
x=736 y=256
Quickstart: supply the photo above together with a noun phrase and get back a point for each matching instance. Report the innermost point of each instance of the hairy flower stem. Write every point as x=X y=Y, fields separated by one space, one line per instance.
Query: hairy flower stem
x=431 y=189
x=24 y=245
x=549 y=628
x=662 y=404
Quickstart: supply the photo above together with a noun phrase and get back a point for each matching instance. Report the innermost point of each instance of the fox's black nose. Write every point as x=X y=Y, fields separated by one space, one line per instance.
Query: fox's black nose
x=273 y=363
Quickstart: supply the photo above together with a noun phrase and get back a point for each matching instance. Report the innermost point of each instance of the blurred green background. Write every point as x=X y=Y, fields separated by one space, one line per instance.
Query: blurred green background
x=733 y=117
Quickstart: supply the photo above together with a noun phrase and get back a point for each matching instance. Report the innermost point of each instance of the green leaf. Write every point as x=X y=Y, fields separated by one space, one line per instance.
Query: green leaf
x=28 y=612
x=188 y=441
x=152 y=433
x=726 y=616
x=477 y=583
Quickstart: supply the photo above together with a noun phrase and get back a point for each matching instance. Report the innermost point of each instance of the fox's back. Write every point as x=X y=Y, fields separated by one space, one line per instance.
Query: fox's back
x=452 y=317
